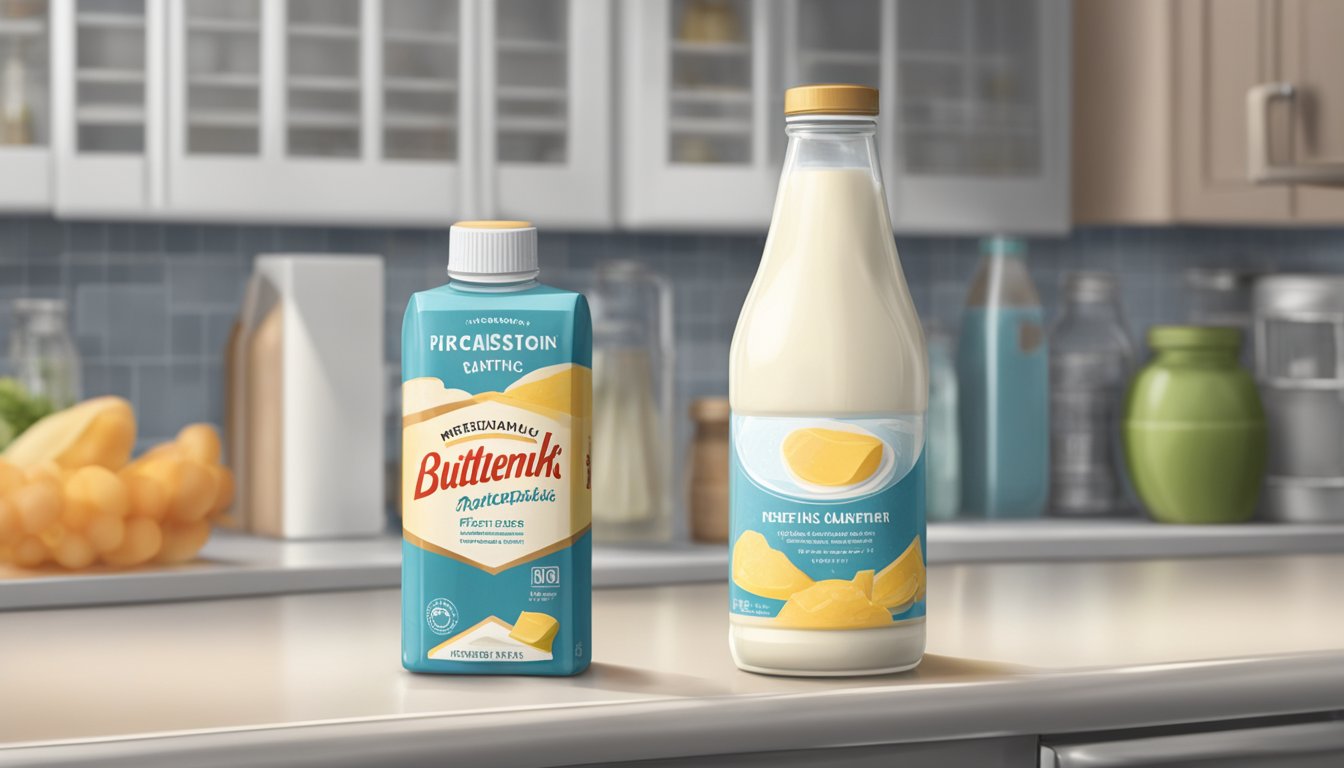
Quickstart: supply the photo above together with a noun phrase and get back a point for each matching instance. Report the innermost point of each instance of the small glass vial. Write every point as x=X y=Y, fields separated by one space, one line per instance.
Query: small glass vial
x=42 y=354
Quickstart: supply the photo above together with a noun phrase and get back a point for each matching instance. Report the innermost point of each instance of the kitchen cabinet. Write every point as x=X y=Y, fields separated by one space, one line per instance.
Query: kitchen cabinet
x=25 y=116
x=974 y=135
x=546 y=111
x=1167 y=131
x=421 y=111
x=107 y=104
x=1313 y=62
x=1223 y=50
x=699 y=106
x=336 y=110
x=978 y=106
x=318 y=110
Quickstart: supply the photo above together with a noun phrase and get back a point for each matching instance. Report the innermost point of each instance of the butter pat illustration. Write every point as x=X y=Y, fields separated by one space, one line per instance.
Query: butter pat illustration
x=535 y=629
x=902 y=580
x=831 y=457
x=864 y=581
x=762 y=570
x=558 y=388
x=832 y=604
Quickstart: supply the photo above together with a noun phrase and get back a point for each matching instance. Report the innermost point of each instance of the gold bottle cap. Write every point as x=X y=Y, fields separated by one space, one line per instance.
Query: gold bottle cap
x=830 y=99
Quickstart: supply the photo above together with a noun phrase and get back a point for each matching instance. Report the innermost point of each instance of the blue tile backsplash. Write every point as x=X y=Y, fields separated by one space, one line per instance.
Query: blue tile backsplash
x=152 y=304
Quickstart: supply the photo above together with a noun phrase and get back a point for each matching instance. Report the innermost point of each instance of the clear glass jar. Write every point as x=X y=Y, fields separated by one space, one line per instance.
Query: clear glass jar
x=1091 y=358
x=42 y=354
x=632 y=402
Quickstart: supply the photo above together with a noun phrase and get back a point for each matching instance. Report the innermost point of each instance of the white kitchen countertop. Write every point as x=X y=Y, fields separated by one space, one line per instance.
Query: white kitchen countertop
x=1014 y=648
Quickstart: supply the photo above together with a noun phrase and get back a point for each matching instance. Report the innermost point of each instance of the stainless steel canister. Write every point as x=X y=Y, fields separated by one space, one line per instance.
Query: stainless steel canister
x=1299 y=364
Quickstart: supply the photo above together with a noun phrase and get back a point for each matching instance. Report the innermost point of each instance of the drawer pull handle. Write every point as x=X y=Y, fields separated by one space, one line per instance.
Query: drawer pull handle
x=1261 y=168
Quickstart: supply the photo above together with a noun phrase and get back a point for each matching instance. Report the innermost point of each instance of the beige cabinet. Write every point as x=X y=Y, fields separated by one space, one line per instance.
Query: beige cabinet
x=1312 y=58
x=1164 y=126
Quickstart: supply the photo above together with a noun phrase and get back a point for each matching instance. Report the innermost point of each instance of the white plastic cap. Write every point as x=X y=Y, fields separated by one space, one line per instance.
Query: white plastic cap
x=492 y=251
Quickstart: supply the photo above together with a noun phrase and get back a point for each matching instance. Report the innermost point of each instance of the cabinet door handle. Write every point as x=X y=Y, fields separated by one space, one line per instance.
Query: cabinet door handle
x=1261 y=168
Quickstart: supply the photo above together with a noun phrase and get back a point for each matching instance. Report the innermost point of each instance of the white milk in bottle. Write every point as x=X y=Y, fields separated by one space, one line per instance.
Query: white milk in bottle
x=828 y=385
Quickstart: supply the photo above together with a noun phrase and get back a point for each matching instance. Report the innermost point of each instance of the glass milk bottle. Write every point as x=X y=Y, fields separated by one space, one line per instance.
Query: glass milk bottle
x=1004 y=391
x=828 y=385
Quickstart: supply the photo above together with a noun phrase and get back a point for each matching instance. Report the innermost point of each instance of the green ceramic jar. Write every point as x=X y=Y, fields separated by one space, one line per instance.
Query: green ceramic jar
x=1194 y=430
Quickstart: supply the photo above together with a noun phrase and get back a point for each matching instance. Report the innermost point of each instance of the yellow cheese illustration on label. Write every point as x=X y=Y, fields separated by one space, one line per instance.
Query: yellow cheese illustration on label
x=762 y=570
x=864 y=581
x=559 y=387
x=832 y=604
x=535 y=629
x=903 y=580
x=831 y=457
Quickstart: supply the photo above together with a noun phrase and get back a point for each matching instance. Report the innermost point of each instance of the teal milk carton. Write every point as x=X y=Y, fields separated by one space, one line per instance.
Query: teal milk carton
x=496 y=575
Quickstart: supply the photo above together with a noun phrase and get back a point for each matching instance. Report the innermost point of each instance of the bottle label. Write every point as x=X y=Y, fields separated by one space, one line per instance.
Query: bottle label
x=827 y=520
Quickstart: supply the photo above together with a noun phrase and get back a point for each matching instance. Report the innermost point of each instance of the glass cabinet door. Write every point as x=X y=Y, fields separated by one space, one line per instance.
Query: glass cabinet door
x=546 y=67
x=108 y=64
x=710 y=81
x=25 y=115
x=422 y=80
x=700 y=107
x=832 y=41
x=317 y=110
x=322 y=78
x=215 y=106
x=980 y=115
x=223 y=77
x=110 y=76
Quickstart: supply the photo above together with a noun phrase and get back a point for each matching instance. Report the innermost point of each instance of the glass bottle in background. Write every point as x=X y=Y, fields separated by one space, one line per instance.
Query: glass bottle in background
x=632 y=400
x=943 y=441
x=1221 y=298
x=1090 y=361
x=42 y=354
x=1003 y=388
